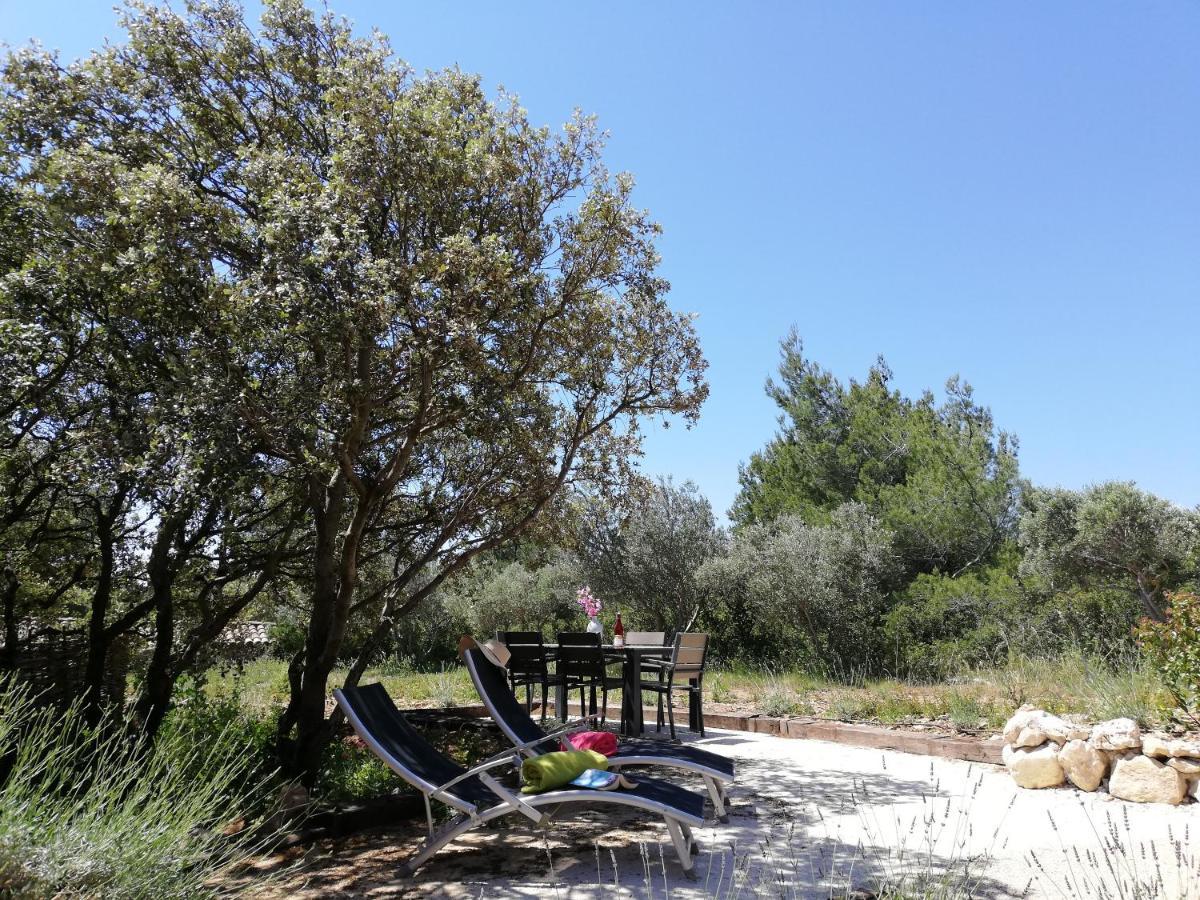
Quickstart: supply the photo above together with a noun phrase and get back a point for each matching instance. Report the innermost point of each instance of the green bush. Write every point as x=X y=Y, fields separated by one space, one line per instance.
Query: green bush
x=91 y=813
x=1173 y=650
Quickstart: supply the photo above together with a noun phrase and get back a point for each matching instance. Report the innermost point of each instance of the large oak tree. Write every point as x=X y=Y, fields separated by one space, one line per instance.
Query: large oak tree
x=427 y=317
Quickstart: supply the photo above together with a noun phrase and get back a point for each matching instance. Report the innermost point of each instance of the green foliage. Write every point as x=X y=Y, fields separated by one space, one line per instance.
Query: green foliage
x=495 y=594
x=85 y=813
x=1173 y=649
x=805 y=594
x=1110 y=536
x=942 y=625
x=939 y=476
x=646 y=562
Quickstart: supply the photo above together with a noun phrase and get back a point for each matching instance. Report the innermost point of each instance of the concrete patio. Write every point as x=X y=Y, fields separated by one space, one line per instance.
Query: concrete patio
x=807 y=818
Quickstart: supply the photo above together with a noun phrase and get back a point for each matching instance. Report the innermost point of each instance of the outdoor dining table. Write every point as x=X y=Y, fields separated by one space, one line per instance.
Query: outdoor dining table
x=631 y=690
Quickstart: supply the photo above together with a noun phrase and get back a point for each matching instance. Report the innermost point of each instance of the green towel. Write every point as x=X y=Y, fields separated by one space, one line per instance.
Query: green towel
x=551 y=770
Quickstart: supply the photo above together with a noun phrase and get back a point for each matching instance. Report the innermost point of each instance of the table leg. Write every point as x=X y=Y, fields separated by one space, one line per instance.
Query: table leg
x=694 y=707
x=631 y=693
x=560 y=701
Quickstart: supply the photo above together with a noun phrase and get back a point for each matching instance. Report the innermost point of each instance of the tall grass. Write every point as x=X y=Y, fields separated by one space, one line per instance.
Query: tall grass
x=89 y=813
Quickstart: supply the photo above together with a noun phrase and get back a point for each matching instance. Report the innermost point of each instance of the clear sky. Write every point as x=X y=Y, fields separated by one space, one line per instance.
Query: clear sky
x=1010 y=191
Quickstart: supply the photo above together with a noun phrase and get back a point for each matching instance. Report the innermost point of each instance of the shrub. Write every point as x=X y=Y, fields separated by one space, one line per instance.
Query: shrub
x=90 y=812
x=1173 y=650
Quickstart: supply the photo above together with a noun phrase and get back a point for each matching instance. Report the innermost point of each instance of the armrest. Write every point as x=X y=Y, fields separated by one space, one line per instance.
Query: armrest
x=505 y=758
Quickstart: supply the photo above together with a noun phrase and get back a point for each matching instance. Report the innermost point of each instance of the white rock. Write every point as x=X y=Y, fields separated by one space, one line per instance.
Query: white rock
x=1084 y=766
x=1032 y=727
x=1034 y=768
x=1186 y=747
x=1116 y=734
x=1185 y=765
x=1156 y=745
x=1194 y=789
x=1143 y=779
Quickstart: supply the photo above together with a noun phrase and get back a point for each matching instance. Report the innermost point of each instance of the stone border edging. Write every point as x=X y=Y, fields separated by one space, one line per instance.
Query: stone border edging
x=945 y=746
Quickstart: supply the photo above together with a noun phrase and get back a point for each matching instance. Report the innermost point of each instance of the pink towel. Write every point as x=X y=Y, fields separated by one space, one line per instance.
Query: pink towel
x=601 y=741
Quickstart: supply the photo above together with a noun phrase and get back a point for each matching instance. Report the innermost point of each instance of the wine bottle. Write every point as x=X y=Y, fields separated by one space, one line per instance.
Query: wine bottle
x=618 y=632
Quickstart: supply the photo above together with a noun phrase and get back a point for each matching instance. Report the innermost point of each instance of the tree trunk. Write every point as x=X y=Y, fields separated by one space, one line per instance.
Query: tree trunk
x=98 y=640
x=12 y=636
x=159 y=685
x=301 y=758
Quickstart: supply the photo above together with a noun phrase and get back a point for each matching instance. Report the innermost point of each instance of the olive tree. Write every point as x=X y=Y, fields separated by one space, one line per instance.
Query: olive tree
x=811 y=594
x=1110 y=536
x=646 y=560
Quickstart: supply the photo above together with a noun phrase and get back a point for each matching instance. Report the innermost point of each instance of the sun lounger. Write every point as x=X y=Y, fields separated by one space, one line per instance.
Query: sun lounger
x=530 y=739
x=476 y=794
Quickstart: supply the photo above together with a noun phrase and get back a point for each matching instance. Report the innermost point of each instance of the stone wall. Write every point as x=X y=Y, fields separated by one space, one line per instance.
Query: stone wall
x=1042 y=750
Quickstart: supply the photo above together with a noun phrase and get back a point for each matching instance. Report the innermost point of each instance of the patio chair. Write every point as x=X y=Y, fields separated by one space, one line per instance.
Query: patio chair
x=478 y=797
x=528 y=664
x=580 y=662
x=684 y=671
x=528 y=738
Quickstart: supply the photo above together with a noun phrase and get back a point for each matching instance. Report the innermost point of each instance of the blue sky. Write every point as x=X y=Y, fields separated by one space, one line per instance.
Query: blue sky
x=1010 y=191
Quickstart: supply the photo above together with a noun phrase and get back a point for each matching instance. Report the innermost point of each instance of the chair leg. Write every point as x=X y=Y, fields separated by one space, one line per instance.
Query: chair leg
x=603 y=703
x=658 y=724
x=545 y=687
x=671 y=711
x=718 y=799
x=528 y=696
x=682 y=845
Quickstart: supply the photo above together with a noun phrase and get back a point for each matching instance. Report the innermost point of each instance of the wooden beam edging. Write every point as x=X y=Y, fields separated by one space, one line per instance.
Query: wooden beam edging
x=945 y=746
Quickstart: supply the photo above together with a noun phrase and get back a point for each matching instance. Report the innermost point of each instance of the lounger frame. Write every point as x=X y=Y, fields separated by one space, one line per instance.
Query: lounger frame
x=678 y=823
x=714 y=779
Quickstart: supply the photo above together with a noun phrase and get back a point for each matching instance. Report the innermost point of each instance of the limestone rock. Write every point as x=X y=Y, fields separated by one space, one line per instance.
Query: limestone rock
x=1036 y=767
x=1116 y=734
x=1084 y=766
x=1186 y=747
x=1185 y=765
x=1143 y=779
x=1032 y=727
x=1194 y=789
x=1156 y=745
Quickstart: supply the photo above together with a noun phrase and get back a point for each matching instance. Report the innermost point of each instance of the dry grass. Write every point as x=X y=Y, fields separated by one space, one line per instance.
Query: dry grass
x=979 y=700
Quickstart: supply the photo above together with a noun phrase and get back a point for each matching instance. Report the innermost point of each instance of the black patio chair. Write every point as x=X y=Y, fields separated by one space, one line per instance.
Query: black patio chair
x=581 y=662
x=529 y=664
x=478 y=797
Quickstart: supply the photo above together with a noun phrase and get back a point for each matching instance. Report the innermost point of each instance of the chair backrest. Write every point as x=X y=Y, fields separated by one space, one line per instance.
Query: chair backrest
x=376 y=720
x=691 y=650
x=579 y=655
x=528 y=652
x=646 y=638
x=504 y=708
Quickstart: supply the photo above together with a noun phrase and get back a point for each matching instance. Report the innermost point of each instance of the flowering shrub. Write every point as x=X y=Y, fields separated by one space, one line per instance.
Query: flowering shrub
x=1173 y=648
x=590 y=605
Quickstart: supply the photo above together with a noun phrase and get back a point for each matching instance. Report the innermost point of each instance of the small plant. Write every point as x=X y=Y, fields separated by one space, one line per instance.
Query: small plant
x=965 y=712
x=778 y=700
x=442 y=688
x=1173 y=650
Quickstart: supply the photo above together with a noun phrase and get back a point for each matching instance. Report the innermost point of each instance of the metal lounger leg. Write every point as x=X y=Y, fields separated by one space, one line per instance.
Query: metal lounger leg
x=437 y=840
x=693 y=846
x=682 y=849
x=718 y=800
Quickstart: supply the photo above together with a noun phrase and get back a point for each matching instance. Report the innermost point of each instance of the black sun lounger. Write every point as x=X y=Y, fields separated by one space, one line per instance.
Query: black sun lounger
x=528 y=738
x=478 y=797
